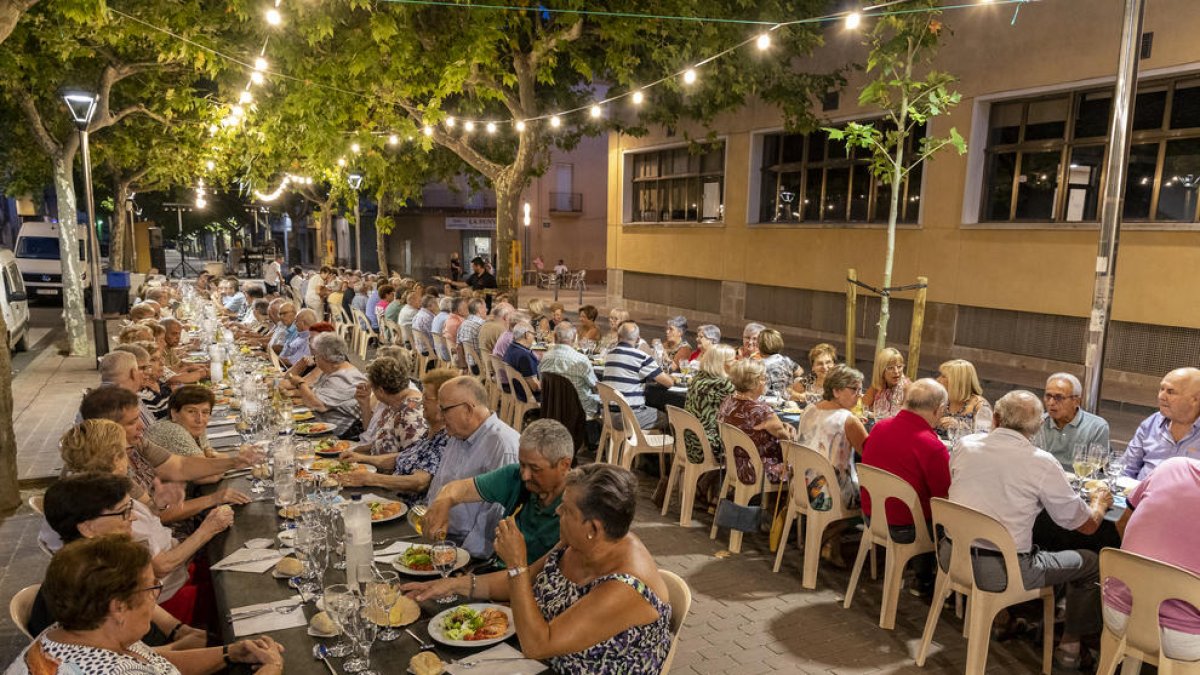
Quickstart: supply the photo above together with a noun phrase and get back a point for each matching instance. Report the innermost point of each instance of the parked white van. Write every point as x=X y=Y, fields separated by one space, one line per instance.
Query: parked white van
x=13 y=302
x=37 y=253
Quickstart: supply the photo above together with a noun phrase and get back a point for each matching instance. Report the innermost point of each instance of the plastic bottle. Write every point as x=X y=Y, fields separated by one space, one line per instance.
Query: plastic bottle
x=284 y=475
x=216 y=364
x=359 y=552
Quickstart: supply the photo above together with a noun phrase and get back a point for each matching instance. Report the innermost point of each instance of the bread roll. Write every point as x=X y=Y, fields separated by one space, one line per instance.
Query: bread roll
x=289 y=567
x=321 y=623
x=426 y=663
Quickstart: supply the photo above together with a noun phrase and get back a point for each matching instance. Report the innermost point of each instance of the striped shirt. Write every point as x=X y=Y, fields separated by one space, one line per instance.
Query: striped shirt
x=627 y=370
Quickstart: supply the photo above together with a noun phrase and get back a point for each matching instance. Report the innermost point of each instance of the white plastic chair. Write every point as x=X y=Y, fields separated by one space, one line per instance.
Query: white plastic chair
x=518 y=408
x=507 y=399
x=684 y=472
x=632 y=440
x=1150 y=583
x=680 y=600
x=20 y=608
x=964 y=526
x=732 y=438
x=883 y=486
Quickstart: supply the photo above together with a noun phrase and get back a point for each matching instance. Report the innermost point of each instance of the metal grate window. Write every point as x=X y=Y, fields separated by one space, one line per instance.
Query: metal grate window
x=1047 y=336
x=1149 y=349
x=702 y=295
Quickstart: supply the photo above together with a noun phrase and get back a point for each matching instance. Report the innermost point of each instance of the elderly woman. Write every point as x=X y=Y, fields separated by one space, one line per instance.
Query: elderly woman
x=675 y=343
x=821 y=359
x=707 y=335
x=588 y=330
x=616 y=317
x=185 y=433
x=409 y=471
x=102 y=591
x=594 y=604
x=750 y=335
x=885 y=398
x=781 y=370
x=155 y=392
x=968 y=411
x=396 y=421
x=332 y=396
x=706 y=392
x=747 y=412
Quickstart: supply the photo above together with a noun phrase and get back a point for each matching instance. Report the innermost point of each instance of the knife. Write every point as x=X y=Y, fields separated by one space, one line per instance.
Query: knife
x=425 y=646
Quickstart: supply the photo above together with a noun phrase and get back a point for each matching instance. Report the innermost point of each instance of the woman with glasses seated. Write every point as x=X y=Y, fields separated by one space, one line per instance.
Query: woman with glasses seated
x=102 y=593
x=885 y=398
x=746 y=411
x=968 y=411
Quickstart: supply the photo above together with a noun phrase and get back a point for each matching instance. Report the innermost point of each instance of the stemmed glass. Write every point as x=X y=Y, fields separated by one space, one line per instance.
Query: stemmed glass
x=384 y=589
x=340 y=604
x=363 y=632
x=1114 y=469
x=312 y=544
x=445 y=557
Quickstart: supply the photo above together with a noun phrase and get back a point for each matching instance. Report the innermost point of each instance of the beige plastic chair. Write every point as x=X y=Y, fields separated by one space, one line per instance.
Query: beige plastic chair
x=632 y=441
x=1150 y=583
x=21 y=607
x=680 y=600
x=341 y=323
x=441 y=347
x=472 y=356
x=406 y=337
x=391 y=332
x=36 y=503
x=519 y=408
x=606 y=448
x=804 y=460
x=883 y=486
x=683 y=470
x=363 y=332
x=426 y=359
x=275 y=360
x=489 y=380
x=733 y=437
x=964 y=526
x=506 y=396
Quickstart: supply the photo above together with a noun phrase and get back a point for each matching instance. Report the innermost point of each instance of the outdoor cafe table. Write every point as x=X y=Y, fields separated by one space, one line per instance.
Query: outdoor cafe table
x=238 y=589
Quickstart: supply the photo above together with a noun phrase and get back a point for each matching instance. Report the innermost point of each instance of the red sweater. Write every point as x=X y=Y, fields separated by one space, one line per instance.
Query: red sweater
x=907 y=446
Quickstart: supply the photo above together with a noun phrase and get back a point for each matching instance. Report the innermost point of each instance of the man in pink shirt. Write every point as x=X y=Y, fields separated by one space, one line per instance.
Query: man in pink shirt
x=1156 y=528
x=907 y=446
x=458 y=312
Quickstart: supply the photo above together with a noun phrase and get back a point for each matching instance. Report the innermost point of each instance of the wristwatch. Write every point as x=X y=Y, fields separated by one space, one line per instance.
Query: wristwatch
x=515 y=571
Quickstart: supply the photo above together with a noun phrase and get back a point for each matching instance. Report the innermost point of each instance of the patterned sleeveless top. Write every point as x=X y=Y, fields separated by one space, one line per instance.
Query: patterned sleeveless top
x=639 y=649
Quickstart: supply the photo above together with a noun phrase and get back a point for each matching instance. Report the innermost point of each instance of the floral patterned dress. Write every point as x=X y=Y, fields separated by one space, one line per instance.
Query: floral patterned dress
x=424 y=455
x=746 y=415
x=639 y=649
x=704 y=396
x=825 y=432
x=889 y=401
x=400 y=427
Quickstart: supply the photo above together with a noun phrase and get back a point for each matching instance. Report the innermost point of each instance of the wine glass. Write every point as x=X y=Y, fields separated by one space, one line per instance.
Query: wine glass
x=1081 y=463
x=340 y=603
x=305 y=455
x=363 y=632
x=384 y=589
x=445 y=557
x=1114 y=469
x=312 y=545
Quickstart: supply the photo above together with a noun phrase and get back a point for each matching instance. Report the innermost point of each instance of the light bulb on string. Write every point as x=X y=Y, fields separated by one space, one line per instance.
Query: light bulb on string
x=853 y=20
x=449 y=122
x=428 y=130
x=210 y=165
x=213 y=129
x=341 y=161
x=273 y=16
x=245 y=97
x=237 y=111
x=393 y=140
x=638 y=97
x=468 y=126
x=555 y=121
x=689 y=76
x=763 y=42
x=491 y=127
x=596 y=110
x=260 y=64
x=520 y=125
x=256 y=77
x=355 y=148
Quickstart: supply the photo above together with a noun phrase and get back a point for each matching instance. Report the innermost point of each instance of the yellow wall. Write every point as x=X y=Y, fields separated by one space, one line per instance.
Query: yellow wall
x=1048 y=269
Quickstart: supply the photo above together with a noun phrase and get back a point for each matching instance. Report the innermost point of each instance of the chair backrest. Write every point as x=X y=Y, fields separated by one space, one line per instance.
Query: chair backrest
x=393 y=332
x=472 y=359
x=21 y=607
x=682 y=421
x=519 y=386
x=406 y=334
x=441 y=347
x=679 y=596
x=338 y=314
x=1150 y=582
x=498 y=372
x=361 y=320
x=421 y=343
x=560 y=402
x=631 y=428
x=733 y=438
x=614 y=439
x=883 y=486
x=965 y=526
x=36 y=503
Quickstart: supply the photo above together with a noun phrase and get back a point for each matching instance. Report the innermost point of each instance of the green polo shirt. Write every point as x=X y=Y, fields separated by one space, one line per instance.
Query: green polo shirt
x=538 y=522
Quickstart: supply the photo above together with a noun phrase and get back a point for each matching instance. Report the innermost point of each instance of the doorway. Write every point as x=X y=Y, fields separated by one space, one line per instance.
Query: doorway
x=475 y=245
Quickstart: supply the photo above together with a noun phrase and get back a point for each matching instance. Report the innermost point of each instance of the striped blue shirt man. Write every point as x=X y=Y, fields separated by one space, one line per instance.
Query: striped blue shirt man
x=627 y=369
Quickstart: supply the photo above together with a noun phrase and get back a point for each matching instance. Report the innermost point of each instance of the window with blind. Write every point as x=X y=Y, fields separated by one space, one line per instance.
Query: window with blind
x=678 y=185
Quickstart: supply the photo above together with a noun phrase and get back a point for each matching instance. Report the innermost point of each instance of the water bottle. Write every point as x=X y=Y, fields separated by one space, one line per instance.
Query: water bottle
x=359 y=551
x=284 y=476
x=216 y=360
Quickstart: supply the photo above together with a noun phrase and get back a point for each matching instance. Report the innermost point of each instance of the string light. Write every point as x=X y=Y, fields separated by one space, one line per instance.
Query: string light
x=596 y=111
x=355 y=148
x=274 y=18
x=260 y=64
x=689 y=76
x=245 y=97
x=237 y=111
x=210 y=165
x=393 y=140
x=491 y=127
x=469 y=126
x=341 y=161
x=449 y=122
x=763 y=42
x=428 y=130
x=638 y=97
x=520 y=125
x=213 y=129
x=853 y=20
x=555 y=121
x=256 y=77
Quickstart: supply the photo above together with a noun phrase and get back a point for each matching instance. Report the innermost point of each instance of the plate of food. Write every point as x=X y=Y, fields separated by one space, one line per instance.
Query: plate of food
x=417 y=560
x=474 y=625
x=332 y=447
x=293 y=511
x=302 y=416
x=386 y=511
x=314 y=428
x=195 y=358
x=405 y=611
x=334 y=467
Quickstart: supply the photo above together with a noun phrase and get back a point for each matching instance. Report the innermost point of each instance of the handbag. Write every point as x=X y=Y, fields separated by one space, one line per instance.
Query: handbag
x=741 y=518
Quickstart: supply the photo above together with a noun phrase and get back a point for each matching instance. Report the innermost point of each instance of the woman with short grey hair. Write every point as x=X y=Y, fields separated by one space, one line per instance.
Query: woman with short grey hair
x=332 y=396
x=675 y=344
x=707 y=335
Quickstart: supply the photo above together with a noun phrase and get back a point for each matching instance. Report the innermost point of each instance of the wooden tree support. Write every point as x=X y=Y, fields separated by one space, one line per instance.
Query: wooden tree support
x=918 y=318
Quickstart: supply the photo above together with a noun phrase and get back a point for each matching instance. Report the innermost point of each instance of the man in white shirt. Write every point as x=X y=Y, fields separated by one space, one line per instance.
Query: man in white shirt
x=314 y=294
x=273 y=275
x=1003 y=475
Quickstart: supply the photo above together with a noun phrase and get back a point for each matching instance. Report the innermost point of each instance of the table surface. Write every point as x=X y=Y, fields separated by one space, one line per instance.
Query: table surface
x=238 y=589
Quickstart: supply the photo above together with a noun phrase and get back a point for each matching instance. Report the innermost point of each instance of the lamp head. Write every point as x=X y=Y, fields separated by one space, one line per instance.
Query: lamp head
x=355 y=181
x=82 y=105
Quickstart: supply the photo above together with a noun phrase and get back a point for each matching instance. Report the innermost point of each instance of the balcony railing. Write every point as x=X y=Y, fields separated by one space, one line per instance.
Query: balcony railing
x=566 y=202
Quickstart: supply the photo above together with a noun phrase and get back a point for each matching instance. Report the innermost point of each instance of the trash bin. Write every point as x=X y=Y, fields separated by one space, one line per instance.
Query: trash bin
x=118 y=280
x=116 y=300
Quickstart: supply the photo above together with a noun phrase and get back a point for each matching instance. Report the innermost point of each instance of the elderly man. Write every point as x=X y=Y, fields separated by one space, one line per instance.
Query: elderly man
x=907 y=445
x=423 y=320
x=402 y=313
x=177 y=372
x=520 y=356
x=297 y=347
x=458 y=314
x=445 y=304
x=563 y=359
x=257 y=323
x=331 y=397
x=479 y=442
x=490 y=332
x=1002 y=474
x=1066 y=424
x=233 y=299
x=124 y=369
x=468 y=331
x=627 y=369
x=285 y=326
x=1173 y=431
x=148 y=461
x=530 y=491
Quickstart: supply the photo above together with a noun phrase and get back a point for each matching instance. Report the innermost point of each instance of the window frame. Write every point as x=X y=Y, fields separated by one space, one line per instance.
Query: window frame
x=630 y=159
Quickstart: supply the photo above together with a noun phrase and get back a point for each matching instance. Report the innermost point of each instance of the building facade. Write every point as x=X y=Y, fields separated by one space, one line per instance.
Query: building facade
x=763 y=225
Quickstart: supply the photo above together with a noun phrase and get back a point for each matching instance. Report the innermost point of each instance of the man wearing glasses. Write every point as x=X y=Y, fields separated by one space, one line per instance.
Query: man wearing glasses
x=1065 y=424
x=479 y=442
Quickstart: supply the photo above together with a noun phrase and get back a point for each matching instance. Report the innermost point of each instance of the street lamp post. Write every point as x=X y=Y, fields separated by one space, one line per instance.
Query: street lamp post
x=355 y=183
x=83 y=106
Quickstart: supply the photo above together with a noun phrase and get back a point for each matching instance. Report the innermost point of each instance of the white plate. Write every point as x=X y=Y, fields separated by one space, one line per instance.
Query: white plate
x=435 y=627
x=403 y=512
x=463 y=559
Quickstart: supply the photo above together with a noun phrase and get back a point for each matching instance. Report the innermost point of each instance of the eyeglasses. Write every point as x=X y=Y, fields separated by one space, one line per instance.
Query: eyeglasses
x=1058 y=398
x=896 y=368
x=447 y=408
x=125 y=513
x=156 y=589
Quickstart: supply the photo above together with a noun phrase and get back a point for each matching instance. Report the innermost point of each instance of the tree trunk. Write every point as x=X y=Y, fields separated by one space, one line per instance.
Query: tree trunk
x=120 y=241
x=508 y=197
x=10 y=13
x=381 y=239
x=74 y=315
x=10 y=496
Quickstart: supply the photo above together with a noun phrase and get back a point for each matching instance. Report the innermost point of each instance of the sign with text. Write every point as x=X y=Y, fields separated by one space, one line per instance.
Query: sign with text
x=458 y=223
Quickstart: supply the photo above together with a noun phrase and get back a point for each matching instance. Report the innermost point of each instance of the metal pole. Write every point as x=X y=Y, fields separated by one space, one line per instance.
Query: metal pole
x=99 y=329
x=357 y=234
x=1116 y=166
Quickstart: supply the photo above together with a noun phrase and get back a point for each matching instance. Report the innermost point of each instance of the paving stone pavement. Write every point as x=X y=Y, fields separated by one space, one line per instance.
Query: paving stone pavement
x=46 y=398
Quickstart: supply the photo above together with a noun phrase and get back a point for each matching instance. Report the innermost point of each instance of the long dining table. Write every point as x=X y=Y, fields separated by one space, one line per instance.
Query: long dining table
x=234 y=589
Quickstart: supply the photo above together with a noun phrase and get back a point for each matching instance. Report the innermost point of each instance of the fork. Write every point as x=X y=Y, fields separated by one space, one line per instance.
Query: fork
x=278 y=609
x=469 y=664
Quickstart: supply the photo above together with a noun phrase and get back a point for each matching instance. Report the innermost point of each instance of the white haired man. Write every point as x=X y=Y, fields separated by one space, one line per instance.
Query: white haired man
x=1066 y=424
